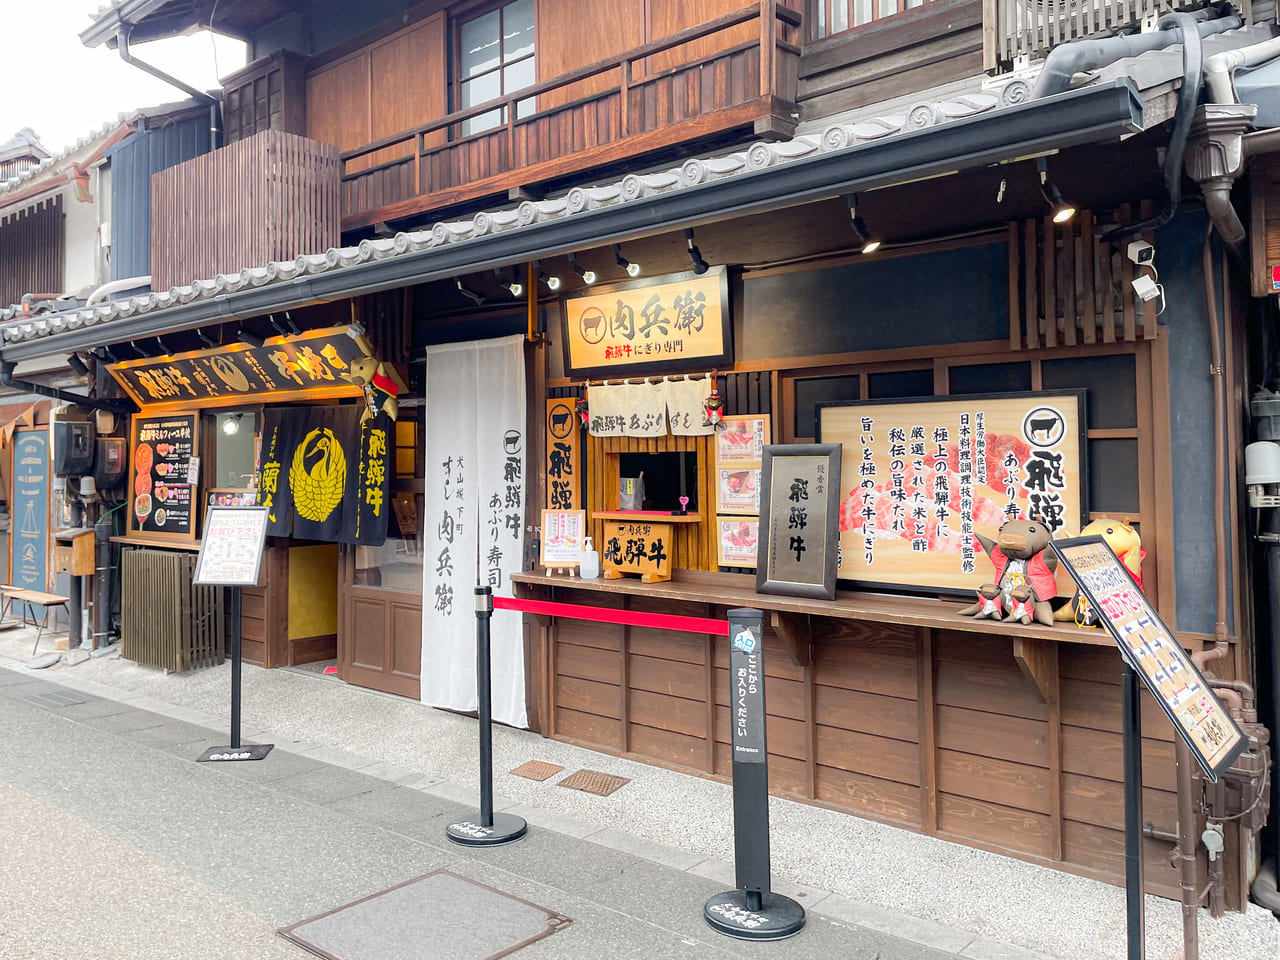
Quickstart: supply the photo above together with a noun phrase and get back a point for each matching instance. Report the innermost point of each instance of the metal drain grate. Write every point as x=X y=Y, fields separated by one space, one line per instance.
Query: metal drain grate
x=537 y=770
x=593 y=781
x=55 y=698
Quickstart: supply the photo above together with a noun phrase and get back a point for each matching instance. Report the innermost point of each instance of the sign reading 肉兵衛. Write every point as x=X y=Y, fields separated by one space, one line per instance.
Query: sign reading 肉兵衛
x=309 y=366
x=677 y=322
x=1153 y=652
x=924 y=476
x=231 y=548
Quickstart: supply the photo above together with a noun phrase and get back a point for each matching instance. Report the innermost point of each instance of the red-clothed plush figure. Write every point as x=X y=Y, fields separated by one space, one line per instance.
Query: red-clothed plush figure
x=1024 y=582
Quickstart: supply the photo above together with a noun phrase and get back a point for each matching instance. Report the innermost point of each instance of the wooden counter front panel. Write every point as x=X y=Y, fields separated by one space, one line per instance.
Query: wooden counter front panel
x=935 y=730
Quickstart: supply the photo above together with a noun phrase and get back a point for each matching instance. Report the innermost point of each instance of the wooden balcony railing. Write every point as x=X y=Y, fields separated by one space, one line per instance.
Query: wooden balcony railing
x=643 y=100
x=1029 y=29
x=269 y=197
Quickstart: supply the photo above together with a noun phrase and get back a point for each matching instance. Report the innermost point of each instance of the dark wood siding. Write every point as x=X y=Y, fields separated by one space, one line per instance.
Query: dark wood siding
x=33 y=256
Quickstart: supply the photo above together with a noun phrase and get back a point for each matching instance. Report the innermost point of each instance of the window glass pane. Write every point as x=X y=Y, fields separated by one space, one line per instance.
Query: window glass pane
x=1112 y=397
x=480 y=44
x=397 y=563
x=1113 y=476
x=904 y=383
x=888 y=8
x=861 y=12
x=821 y=30
x=517 y=29
x=990 y=378
x=480 y=90
x=813 y=390
x=526 y=107
x=518 y=75
x=234 y=452
x=839 y=15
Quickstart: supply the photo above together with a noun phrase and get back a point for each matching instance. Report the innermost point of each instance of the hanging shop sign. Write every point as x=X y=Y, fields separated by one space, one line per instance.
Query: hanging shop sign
x=676 y=322
x=231 y=548
x=1153 y=652
x=312 y=366
x=923 y=476
x=165 y=477
x=29 y=538
x=564 y=456
x=798 y=520
x=323 y=473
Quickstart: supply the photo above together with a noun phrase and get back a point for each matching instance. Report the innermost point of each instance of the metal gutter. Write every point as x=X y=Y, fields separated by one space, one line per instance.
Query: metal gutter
x=119 y=16
x=1091 y=114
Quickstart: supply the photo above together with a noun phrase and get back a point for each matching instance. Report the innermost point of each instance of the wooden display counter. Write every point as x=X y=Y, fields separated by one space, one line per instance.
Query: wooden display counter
x=897 y=709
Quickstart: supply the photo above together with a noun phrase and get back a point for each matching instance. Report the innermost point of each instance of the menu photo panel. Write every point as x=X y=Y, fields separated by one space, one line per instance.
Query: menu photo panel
x=165 y=476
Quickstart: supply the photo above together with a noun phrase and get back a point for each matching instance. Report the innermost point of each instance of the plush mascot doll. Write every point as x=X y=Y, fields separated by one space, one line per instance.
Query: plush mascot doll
x=713 y=409
x=1024 y=582
x=1127 y=545
x=380 y=389
x=584 y=412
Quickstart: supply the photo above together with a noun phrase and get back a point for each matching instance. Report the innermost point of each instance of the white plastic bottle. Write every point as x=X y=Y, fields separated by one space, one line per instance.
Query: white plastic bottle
x=589 y=561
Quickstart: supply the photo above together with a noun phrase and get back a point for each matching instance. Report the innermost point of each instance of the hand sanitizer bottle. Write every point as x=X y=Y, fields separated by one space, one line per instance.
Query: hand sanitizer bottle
x=589 y=561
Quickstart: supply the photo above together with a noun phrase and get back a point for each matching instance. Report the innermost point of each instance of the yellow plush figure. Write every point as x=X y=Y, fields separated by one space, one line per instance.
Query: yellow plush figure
x=379 y=388
x=1126 y=544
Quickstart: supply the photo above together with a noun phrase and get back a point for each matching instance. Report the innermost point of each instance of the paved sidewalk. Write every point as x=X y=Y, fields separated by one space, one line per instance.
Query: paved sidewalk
x=407 y=769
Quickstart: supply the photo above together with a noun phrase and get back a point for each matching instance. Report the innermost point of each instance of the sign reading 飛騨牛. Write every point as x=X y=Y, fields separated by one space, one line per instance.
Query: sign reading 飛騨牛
x=231 y=548
x=310 y=365
x=677 y=322
x=1153 y=652
x=797 y=547
x=563 y=456
x=924 y=476
x=640 y=548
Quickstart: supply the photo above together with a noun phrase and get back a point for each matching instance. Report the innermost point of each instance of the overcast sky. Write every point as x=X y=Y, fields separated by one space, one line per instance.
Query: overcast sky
x=63 y=90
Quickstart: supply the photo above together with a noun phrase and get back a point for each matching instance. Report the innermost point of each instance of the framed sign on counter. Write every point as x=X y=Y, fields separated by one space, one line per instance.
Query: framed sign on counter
x=164 y=476
x=799 y=531
x=563 y=532
x=923 y=476
x=659 y=324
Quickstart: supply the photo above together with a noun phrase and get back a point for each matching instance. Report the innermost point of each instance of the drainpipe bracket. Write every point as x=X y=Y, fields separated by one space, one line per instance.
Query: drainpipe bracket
x=1216 y=147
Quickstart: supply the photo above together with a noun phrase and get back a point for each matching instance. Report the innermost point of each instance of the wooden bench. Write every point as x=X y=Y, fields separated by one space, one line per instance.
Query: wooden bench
x=38 y=598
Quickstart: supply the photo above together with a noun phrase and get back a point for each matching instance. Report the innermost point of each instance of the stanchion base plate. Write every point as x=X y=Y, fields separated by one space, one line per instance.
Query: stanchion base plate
x=248 y=751
x=778 y=918
x=470 y=832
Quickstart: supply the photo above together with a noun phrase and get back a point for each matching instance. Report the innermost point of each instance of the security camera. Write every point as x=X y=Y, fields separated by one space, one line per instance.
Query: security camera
x=1146 y=288
x=1141 y=252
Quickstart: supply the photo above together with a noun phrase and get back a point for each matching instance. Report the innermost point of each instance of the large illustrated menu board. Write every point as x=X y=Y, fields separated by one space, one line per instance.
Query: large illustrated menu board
x=165 y=475
x=922 y=476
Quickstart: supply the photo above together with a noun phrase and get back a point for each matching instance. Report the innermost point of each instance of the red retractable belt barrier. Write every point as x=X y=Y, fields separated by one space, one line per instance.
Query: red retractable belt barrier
x=632 y=618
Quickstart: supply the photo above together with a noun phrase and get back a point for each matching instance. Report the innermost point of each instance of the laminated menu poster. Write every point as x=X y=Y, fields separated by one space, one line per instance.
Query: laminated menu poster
x=924 y=476
x=165 y=452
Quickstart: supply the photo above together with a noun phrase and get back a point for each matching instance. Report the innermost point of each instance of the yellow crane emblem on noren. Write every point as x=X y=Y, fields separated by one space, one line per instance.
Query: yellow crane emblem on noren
x=318 y=475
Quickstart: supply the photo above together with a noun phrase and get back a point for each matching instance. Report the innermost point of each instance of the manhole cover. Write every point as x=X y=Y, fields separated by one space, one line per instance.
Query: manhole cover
x=55 y=698
x=593 y=781
x=537 y=770
x=459 y=918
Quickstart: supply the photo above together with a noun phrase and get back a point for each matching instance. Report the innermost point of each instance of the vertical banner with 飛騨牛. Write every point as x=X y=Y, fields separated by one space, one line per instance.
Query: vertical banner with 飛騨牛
x=564 y=456
x=322 y=474
x=474 y=524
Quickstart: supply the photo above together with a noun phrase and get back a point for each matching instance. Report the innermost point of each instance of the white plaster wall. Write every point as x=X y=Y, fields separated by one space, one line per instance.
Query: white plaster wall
x=82 y=243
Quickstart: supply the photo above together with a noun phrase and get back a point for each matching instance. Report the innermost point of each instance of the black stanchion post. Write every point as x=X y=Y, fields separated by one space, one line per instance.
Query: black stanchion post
x=1130 y=692
x=489 y=829
x=237 y=751
x=753 y=911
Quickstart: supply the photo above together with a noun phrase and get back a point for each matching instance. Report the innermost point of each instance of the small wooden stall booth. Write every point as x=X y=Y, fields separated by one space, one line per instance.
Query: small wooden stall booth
x=278 y=420
x=952 y=414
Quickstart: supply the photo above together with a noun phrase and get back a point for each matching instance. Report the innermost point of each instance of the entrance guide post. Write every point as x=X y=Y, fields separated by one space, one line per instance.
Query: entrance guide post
x=231 y=557
x=1152 y=654
x=752 y=911
x=489 y=829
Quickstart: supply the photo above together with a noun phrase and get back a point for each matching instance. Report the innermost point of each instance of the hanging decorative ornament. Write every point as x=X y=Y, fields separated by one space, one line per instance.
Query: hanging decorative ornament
x=713 y=406
x=581 y=407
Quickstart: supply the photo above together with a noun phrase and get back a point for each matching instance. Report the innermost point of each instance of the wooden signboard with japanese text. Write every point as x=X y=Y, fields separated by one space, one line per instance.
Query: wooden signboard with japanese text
x=1153 y=652
x=923 y=476
x=564 y=456
x=671 y=323
x=164 y=476
x=306 y=367
x=638 y=548
x=798 y=533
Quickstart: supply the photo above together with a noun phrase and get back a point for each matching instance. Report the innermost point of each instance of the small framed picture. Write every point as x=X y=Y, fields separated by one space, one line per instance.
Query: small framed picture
x=799 y=520
x=562 y=536
x=737 y=539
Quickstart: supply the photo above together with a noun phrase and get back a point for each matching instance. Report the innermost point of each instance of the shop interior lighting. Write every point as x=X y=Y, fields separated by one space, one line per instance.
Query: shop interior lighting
x=1060 y=210
x=467 y=292
x=77 y=365
x=231 y=425
x=630 y=266
x=588 y=276
x=700 y=266
x=249 y=337
x=513 y=286
x=552 y=280
x=867 y=241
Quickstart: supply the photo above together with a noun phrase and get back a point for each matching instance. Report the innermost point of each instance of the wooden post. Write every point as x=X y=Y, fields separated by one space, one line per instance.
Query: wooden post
x=768 y=46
